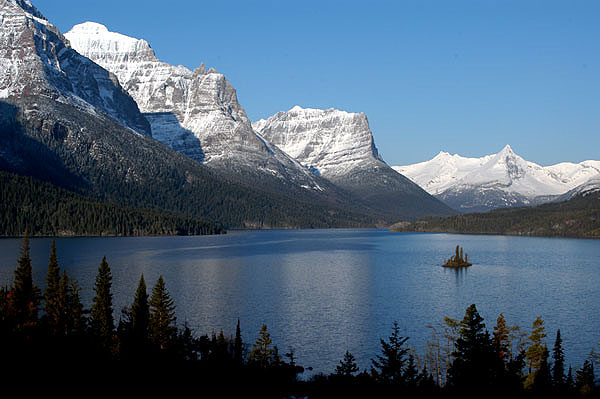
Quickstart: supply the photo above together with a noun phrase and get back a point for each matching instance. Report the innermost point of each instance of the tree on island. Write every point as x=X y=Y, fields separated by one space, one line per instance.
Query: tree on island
x=458 y=260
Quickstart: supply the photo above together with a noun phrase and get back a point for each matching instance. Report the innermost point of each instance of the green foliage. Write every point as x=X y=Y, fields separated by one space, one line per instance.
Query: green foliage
x=262 y=354
x=458 y=260
x=140 y=312
x=47 y=210
x=577 y=217
x=101 y=315
x=558 y=367
x=25 y=295
x=71 y=314
x=535 y=351
x=51 y=293
x=390 y=365
x=162 y=316
x=585 y=380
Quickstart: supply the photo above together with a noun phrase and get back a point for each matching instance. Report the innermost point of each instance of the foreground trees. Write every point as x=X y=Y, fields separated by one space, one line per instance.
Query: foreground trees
x=463 y=360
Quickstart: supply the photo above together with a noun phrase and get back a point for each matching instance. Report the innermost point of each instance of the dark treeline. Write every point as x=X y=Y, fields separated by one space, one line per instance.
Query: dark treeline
x=462 y=358
x=42 y=209
x=577 y=217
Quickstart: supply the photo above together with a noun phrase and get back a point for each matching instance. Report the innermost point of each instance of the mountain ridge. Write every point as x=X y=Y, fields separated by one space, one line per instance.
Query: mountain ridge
x=340 y=147
x=496 y=180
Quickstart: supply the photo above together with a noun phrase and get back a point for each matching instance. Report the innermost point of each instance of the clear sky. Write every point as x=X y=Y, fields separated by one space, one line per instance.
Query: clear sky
x=461 y=76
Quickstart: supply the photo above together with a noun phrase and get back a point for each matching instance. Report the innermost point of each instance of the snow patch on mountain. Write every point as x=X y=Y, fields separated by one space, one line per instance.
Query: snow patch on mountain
x=35 y=59
x=451 y=176
x=194 y=112
x=329 y=142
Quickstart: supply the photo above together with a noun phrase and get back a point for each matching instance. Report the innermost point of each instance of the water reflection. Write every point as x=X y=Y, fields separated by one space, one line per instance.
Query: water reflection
x=325 y=291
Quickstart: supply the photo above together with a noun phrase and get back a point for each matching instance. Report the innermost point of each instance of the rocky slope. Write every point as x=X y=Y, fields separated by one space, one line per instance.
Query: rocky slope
x=497 y=180
x=66 y=120
x=36 y=60
x=194 y=112
x=339 y=146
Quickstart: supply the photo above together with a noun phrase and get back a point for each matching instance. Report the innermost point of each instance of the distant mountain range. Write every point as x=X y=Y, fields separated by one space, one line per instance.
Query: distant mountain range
x=499 y=180
x=126 y=128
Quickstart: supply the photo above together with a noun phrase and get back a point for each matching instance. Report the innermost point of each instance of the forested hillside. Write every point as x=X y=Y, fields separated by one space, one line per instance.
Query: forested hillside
x=42 y=209
x=577 y=217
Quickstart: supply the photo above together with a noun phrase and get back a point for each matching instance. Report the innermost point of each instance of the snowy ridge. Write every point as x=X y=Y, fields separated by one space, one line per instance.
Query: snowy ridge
x=194 y=112
x=522 y=182
x=35 y=59
x=330 y=142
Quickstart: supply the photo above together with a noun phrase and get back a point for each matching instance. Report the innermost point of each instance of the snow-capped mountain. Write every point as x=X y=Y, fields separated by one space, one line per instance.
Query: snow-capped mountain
x=330 y=142
x=497 y=180
x=339 y=146
x=194 y=112
x=35 y=59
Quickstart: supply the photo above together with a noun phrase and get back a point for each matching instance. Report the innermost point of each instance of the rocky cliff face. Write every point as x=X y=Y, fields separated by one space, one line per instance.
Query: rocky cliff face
x=330 y=142
x=194 y=112
x=339 y=146
x=35 y=59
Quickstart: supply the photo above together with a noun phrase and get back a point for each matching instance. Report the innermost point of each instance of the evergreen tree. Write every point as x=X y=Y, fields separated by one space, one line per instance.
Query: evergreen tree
x=71 y=319
x=261 y=353
x=535 y=351
x=238 y=346
x=476 y=364
x=558 y=368
x=51 y=293
x=162 y=316
x=501 y=337
x=140 y=312
x=347 y=367
x=25 y=295
x=585 y=379
x=569 y=382
x=542 y=379
x=101 y=313
x=389 y=366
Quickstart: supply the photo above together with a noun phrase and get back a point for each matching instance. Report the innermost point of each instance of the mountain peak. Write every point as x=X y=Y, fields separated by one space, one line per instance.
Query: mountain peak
x=90 y=27
x=507 y=150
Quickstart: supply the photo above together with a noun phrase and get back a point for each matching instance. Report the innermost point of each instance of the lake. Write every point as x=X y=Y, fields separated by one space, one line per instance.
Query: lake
x=323 y=292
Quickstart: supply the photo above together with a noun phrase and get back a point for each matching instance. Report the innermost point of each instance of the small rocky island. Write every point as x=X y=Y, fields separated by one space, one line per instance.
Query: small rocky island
x=458 y=260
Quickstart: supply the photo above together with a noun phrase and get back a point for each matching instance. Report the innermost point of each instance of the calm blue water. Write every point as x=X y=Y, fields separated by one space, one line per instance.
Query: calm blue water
x=325 y=291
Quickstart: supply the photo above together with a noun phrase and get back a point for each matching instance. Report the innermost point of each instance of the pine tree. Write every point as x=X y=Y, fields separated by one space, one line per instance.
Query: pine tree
x=71 y=319
x=569 y=382
x=25 y=295
x=542 y=379
x=501 y=337
x=162 y=316
x=535 y=351
x=348 y=366
x=261 y=353
x=101 y=313
x=558 y=368
x=140 y=313
x=51 y=294
x=475 y=364
x=585 y=379
x=238 y=346
x=389 y=366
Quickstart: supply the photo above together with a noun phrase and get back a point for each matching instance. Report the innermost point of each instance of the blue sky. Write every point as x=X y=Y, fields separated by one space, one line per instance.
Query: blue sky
x=461 y=76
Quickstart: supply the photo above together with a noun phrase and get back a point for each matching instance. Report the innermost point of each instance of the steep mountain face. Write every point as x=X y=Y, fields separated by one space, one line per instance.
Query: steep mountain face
x=339 y=146
x=498 y=180
x=35 y=60
x=66 y=120
x=194 y=112
x=330 y=142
